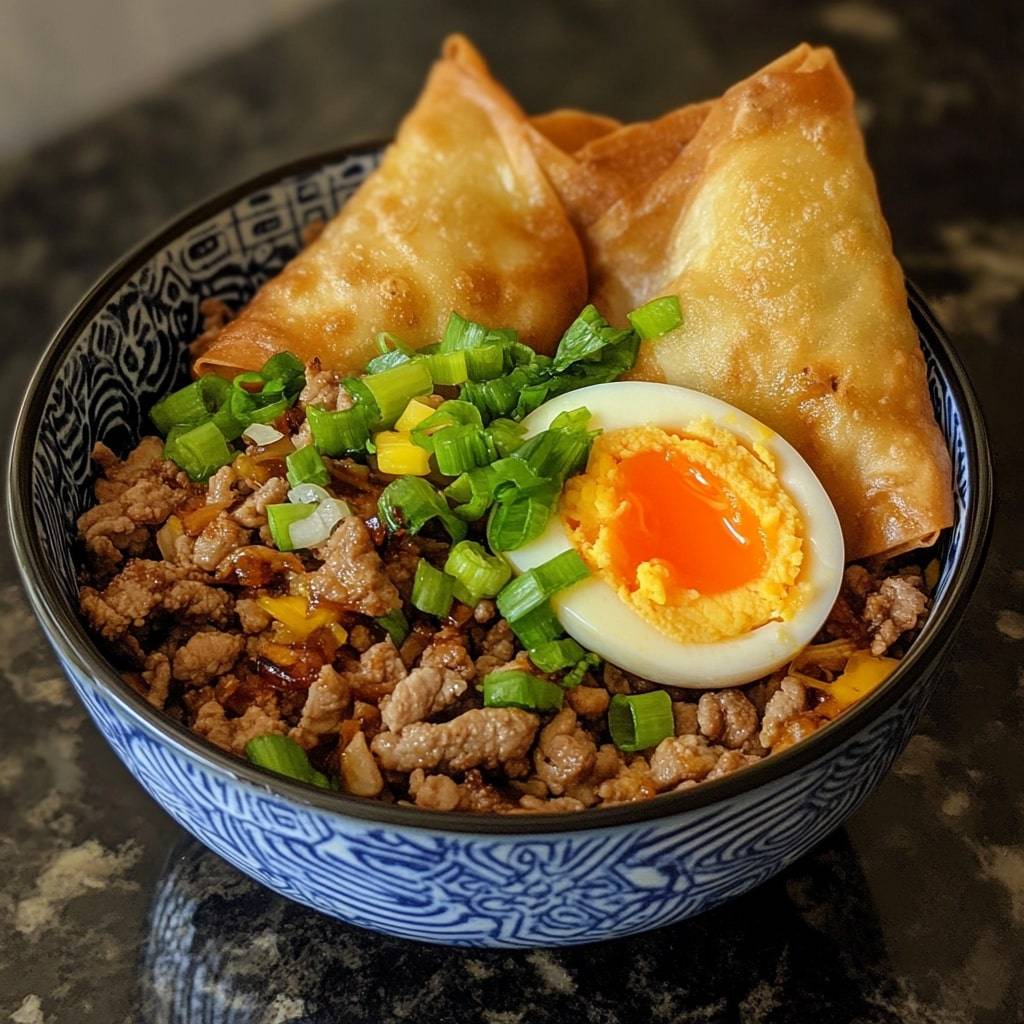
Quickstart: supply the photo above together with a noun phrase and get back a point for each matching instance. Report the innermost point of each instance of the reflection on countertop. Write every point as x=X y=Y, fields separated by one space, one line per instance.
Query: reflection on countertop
x=913 y=913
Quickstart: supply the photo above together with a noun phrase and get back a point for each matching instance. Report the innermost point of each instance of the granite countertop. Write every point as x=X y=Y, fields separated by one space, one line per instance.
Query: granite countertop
x=914 y=912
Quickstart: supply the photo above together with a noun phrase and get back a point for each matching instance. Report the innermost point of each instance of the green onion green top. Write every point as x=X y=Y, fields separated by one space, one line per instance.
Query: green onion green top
x=640 y=720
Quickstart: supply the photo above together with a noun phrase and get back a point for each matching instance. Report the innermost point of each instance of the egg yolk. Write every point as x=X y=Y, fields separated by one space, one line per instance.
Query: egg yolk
x=676 y=511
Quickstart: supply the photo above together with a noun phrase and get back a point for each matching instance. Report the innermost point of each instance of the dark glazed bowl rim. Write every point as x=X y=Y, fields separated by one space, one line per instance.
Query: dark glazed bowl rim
x=69 y=637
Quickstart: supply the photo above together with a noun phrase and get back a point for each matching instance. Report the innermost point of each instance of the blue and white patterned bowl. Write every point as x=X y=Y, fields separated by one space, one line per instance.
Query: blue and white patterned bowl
x=461 y=880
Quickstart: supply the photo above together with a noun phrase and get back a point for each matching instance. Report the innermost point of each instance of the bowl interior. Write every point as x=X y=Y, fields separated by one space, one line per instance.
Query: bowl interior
x=124 y=347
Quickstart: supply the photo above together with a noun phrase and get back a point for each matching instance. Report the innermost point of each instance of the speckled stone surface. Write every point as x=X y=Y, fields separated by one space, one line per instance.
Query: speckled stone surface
x=913 y=913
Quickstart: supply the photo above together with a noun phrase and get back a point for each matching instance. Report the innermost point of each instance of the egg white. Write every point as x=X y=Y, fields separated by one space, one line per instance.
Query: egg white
x=593 y=613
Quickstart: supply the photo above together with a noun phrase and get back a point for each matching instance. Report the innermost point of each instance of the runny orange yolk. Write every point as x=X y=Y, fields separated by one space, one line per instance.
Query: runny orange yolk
x=674 y=510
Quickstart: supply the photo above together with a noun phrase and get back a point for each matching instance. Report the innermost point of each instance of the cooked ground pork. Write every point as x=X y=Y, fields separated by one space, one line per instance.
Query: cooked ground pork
x=206 y=656
x=424 y=692
x=326 y=703
x=486 y=737
x=144 y=589
x=179 y=579
x=352 y=573
x=218 y=540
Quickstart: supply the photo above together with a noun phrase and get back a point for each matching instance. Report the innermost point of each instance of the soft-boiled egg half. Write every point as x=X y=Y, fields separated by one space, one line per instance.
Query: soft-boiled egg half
x=715 y=553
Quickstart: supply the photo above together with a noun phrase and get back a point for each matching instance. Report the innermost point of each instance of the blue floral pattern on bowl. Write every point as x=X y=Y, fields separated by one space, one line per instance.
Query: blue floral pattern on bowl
x=546 y=882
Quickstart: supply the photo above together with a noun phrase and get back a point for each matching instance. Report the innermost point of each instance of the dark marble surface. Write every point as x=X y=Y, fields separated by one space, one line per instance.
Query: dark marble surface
x=913 y=913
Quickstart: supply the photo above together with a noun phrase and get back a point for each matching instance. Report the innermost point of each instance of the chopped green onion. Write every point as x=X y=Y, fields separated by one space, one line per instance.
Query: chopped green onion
x=476 y=573
x=432 y=590
x=283 y=755
x=287 y=368
x=496 y=397
x=410 y=502
x=461 y=334
x=562 y=571
x=514 y=689
x=472 y=493
x=587 y=335
x=513 y=476
x=452 y=413
x=556 y=453
x=484 y=363
x=583 y=666
x=507 y=435
x=554 y=655
x=657 y=317
x=572 y=419
x=461 y=448
x=392 y=389
x=395 y=624
x=514 y=523
x=200 y=451
x=306 y=467
x=535 y=586
x=254 y=377
x=364 y=400
x=280 y=519
x=338 y=433
x=187 y=405
x=537 y=627
x=448 y=368
x=389 y=357
x=270 y=412
x=641 y=720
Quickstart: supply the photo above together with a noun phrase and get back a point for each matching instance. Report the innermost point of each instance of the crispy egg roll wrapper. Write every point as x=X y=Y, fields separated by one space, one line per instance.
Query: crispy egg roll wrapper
x=768 y=227
x=615 y=164
x=569 y=129
x=458 y=216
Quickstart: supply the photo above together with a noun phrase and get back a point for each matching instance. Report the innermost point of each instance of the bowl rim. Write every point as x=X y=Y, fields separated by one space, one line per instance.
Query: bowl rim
x=67 y=634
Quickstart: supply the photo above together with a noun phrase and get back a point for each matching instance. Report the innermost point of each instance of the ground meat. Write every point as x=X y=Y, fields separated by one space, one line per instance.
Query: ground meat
x=448 y=651
x=144 y=588
x=895 y=609
x=434 y=792
x=253 y=511
x=481 y=737
x=219 y=539
x=377 y=673
x=121 y=526
x=730 y=761
x=352 y=574
x=360 y=638
x=680 y=758
x=497 y=648
x=323 y=389
x=326 y=704
x=478 y=796
x=786 y=703
x=251 y=617
x=157 y=675
x=588 y=701
x=358 y=485
x=232 y=734
x=423 y=692
x=484 y=610
x=206 y=656
x=727 y=716
x=559 y=805
x=685 y=716
x=795 y=729
x=633 y=782
x=565 y=753
x=615 y=680
x=146 y=460
x=220 y=489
